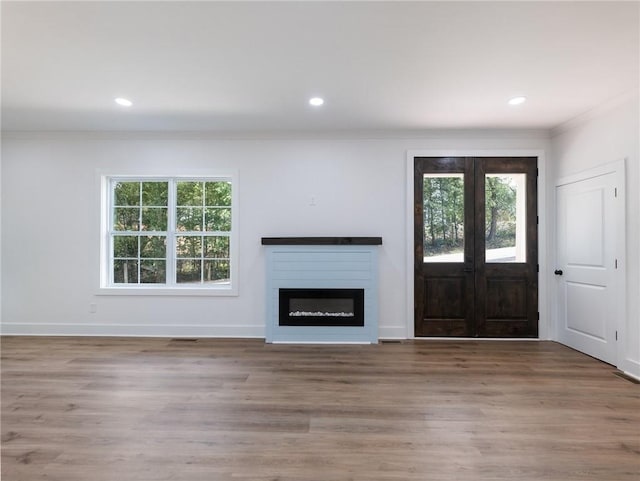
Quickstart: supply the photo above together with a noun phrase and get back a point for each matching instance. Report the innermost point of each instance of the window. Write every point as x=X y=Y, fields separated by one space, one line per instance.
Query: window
x=168 y=233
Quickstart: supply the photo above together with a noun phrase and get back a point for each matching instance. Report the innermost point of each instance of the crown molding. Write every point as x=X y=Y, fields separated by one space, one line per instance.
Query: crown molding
x=596 y=112
x=426 y=134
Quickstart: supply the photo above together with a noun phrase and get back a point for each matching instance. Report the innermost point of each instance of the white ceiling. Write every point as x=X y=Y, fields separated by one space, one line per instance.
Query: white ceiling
x=252 y=66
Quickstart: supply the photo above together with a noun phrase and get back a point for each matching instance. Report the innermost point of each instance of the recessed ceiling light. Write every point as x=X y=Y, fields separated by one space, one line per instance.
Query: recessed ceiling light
x=316 y=101
x=517 y=100
x=123 y=102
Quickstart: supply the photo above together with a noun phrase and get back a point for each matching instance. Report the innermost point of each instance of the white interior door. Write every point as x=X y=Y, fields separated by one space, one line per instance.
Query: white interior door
x=588 y=222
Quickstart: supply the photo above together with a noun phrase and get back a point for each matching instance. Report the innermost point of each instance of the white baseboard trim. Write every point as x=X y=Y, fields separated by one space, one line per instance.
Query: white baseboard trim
x=631 y=368
x=129 y=330
x=145 y=330
x=398 y=332
x=479 y=339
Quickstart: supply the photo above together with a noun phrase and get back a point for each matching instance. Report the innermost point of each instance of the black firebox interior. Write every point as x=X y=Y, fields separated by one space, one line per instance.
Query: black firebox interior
x=321 y=307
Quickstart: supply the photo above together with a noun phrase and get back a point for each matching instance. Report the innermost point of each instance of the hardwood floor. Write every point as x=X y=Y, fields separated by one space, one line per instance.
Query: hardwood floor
x=115 y=409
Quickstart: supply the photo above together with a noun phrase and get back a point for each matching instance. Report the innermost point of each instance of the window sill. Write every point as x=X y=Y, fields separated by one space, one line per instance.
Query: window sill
x=168 y=291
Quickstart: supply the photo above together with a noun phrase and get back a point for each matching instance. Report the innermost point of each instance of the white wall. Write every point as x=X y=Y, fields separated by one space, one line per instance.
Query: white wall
x=0 y=237
x=50 y=221
x=609 y=134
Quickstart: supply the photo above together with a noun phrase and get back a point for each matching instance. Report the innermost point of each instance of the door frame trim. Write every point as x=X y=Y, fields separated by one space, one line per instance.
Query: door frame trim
x=545 y=330
x=618 y=169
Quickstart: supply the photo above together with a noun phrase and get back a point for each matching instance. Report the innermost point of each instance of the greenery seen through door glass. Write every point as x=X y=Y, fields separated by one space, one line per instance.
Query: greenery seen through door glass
x=443 y=208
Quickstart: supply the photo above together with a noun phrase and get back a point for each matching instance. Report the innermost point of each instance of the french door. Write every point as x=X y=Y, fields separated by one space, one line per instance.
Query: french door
x=476 y=249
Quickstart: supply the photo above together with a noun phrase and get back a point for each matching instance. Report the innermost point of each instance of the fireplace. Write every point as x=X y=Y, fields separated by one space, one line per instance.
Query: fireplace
x=321 y=307
x=322 y=289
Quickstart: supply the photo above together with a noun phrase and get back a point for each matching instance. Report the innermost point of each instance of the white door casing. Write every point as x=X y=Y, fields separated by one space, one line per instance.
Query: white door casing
x=590 y=254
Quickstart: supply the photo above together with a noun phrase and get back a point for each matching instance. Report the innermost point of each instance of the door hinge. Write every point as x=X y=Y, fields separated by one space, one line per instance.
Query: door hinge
x=616 y=335
x=615 y=192
x=537 y=267
x=616 y=263
x=538 y=316
x=537 y=220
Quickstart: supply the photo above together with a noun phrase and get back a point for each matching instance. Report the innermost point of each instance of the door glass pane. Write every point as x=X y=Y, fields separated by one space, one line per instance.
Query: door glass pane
x=505 y=218
x=443 y=208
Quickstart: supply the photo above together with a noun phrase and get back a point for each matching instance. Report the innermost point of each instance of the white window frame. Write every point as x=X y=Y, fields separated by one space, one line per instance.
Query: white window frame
x=108 y=287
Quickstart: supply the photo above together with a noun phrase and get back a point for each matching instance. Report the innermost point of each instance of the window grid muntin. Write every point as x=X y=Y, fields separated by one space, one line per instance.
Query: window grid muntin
x=202 y=258
x=203 y=233
x=204 y=206
x=139 y=233
x=171 y=234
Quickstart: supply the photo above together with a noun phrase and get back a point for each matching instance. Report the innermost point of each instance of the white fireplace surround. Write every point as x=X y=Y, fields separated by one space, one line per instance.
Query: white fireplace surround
x=322 y=263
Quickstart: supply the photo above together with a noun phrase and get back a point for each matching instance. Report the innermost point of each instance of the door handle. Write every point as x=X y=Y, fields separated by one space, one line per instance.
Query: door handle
x=558 y=272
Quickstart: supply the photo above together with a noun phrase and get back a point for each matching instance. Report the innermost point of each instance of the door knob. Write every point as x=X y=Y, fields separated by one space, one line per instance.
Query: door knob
x=558 y=272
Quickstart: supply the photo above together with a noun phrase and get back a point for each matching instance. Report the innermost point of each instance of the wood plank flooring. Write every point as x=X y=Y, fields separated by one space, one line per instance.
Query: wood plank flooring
x=116 y=409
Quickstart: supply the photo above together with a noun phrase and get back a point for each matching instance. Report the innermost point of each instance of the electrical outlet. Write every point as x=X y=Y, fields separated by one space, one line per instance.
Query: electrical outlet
x=93 y=308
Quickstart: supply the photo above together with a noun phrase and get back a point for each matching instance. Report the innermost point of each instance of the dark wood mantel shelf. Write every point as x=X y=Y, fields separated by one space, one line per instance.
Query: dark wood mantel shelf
x=322 y=241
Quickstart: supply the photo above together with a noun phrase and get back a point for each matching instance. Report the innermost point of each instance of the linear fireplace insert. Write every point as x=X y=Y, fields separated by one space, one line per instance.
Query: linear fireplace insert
x=321 y=290
x=321 y=307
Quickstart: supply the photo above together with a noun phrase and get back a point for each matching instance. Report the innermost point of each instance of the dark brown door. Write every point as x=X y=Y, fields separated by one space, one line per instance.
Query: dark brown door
x=476 y=253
